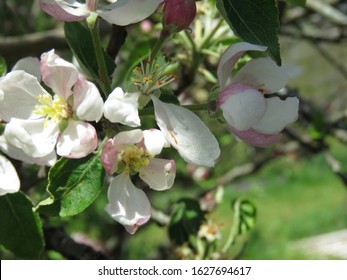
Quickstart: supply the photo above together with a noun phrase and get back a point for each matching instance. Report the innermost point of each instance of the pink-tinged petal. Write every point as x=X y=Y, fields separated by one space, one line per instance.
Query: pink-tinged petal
x=58 y=74
x=278 y=115
x=122 y=108
x=128 y=205
x=230 y=57
x=78 y=140
x=30 y=65
x=8 y=177
x=262 y=73
x=242 y=106
x=159 y=174
x=186 y=133
x=88 y=104
x=18 y=95
x=124 y=12
x=37 y=138
x=255 y=138
x=64 y=10
x=18 y=154
x=154 y=141
x=109 y=157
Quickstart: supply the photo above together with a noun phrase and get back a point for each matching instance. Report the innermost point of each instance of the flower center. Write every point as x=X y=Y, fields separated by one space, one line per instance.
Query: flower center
x=135 y=158
x=152 y=75
x=55 y=109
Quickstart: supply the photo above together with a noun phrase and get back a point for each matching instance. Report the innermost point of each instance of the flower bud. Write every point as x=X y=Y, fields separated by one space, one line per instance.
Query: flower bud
x=178 y=14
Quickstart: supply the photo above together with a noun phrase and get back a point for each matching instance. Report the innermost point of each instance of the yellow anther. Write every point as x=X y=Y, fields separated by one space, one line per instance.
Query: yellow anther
x=135 y=158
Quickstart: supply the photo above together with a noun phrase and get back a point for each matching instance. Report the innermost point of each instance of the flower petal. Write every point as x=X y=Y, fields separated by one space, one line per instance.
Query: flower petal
x=279 y=113
x=109 y=157
x=230 y=57
x=262 y=73
x=30 y=65
x=128 y=205
x=68 y=10
x=18 y=154
x=19 y=92
x=58 y=74
x=8 y=177
x=255 y=138
x=186 y=133
x=122 y=108
x=37 y=138
x=242 y=106
x=159 y=174
x=154 y=141
x=88 y=103
x=124 y=12
x=78 y=140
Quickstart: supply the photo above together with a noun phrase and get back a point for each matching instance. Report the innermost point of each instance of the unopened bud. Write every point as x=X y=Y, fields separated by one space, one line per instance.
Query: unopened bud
x=178 y=14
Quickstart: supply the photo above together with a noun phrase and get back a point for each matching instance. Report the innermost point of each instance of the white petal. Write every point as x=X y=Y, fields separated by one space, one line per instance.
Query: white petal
x=154 y=141
x=230 y=57
x=186 y=133
x=122 y=108
x=78 y=140
x=8 y=177
x=262 y=73
x=18 y=154
x=279 y=113
x=19 y=92
x=159 y=174
x=30 y=65
x=37 y=138
x=125 y=12
x=128 y=205
x=256 y=138
x=88 y=103
x=242 y=107
x=58 y=74
x=125 y=138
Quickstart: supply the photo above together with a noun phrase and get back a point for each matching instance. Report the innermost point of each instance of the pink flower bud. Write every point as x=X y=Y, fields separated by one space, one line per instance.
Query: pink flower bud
x=179 y=14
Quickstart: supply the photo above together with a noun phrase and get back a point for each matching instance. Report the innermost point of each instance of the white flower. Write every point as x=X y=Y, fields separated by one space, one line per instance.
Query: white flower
x=186 y=133
x=252 y=117
x=122 y=108
x=8 y=177
x=37 y=121
x=132 y=152
x=119 y=12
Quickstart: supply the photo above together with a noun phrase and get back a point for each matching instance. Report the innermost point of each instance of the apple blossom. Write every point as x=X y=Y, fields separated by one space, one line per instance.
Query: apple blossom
x=132 y=152
x=8 y=177
x=253 y=115
x=119 y=12
x=38 y=121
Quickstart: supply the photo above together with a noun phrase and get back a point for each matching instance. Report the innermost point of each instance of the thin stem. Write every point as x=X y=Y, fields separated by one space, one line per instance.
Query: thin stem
x=234 y=228
x=104 y=79
x=208 y=38
x=193 y=107
x=163 y=36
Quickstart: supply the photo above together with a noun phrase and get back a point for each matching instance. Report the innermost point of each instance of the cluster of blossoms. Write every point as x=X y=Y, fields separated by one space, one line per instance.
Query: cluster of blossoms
x=42 y=123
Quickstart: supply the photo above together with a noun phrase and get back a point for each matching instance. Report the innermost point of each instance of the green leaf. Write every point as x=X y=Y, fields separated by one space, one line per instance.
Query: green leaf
x=73 y=184
x=80 y=41
x=21 y=229
x=3 y=66
x=185 y=221
x=254 y=21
